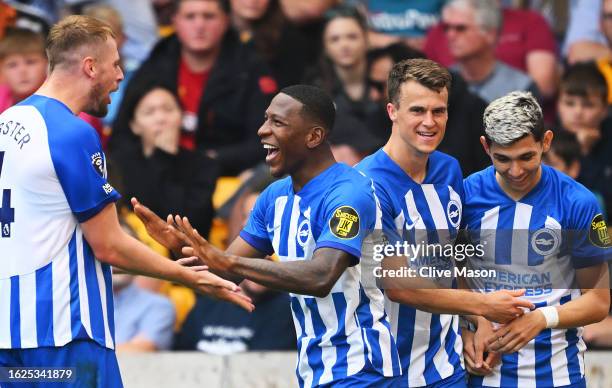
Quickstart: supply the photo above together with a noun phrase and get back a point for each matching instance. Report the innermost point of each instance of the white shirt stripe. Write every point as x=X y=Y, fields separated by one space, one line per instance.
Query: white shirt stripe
x=520 y=235
x=27 y=310
x=83 y=295
x=62 y=333
x=279 y=207
x=5 y=313
x=438 y=213
x=293 y=225
x=328 y=356
x=102 y=287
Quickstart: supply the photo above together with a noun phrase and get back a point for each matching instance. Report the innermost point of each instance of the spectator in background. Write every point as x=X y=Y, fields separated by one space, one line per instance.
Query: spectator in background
x=525 y=42
x=605 y=61
x=139 y=30
x=278 y=41
x=564 y=154
x=406 y=21
x=168 y=178
x=472 y=30
x=464 y=125
x=23 y=66
x=144 y=320
x=222 y=85
x=584 y=40
x=342 y=72
x=583 y=110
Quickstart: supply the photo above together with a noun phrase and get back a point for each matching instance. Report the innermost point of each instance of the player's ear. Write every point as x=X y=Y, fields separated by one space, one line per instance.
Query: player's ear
x=89 y=66
x=483 y=141
x=392 y=111
x=547 y=140
x=315 y=136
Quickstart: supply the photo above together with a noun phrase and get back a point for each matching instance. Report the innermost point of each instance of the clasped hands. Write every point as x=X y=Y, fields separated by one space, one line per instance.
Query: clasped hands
x=484 y=347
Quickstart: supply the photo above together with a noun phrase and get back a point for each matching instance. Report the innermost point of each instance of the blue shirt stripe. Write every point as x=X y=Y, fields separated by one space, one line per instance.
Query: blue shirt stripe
x=15 y=314
x=314 y=350
x=299 y=315
x=338 y=340
x=44 y=306
x=93 y=293
x=77 y=328
x=435 y=330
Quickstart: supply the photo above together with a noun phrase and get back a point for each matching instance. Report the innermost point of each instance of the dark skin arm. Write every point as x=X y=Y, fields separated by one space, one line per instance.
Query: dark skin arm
x=314 y=277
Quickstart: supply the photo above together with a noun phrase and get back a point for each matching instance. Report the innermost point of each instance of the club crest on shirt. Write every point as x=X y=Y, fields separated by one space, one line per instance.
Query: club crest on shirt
x=303 y=232
x=344 y=223
x=99 y=164
x=598 y=232
x=545 y=241
x=453 y=211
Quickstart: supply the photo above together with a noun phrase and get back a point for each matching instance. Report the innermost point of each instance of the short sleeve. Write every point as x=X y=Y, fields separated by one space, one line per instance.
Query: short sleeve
x=589 y=237
x=391 y=232
x=80 y=165
x=349 y=216
x=255 y=232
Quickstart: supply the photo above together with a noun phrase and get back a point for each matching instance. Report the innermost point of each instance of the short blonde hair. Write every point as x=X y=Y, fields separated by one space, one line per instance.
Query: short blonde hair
x=72 y=33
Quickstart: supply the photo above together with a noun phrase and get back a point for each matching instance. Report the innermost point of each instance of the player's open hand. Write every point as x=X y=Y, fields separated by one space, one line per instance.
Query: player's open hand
x=213 y=285
x=213 y=257
x=512 y=337
x=163 y=232
x=505 y=305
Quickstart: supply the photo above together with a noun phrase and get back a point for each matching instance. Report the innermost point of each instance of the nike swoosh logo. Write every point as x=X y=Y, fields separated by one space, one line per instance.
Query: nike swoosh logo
x=411 y=226
x=271 y=229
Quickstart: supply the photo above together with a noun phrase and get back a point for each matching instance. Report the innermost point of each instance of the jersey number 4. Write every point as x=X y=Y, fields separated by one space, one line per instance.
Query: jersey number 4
x=7 y=213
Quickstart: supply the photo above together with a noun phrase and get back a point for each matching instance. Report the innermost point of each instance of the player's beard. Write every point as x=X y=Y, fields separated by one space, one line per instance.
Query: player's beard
x=98 y=107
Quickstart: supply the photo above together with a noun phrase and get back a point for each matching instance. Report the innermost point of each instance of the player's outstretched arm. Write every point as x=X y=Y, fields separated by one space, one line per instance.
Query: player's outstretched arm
x=112 y=245
x=314 y=277
x=499 y=306
x=592 y=306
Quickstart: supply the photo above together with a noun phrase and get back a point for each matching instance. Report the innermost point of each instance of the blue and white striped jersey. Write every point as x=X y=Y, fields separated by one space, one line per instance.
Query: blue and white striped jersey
x=536 y=243
x=52 y=176
x=347 y=331
x=429 y=345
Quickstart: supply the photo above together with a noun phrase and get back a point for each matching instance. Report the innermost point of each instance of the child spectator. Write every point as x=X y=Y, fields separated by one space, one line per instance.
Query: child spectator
x=564 y=154
x=582 y=110
x=23 y=65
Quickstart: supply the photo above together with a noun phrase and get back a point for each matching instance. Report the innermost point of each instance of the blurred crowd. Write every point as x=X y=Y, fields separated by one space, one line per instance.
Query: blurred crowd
x=181 y=130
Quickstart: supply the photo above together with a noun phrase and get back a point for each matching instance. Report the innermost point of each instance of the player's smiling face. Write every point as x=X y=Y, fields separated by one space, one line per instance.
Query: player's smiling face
x=518 y=164
x=420 y=117
x=283 y=135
